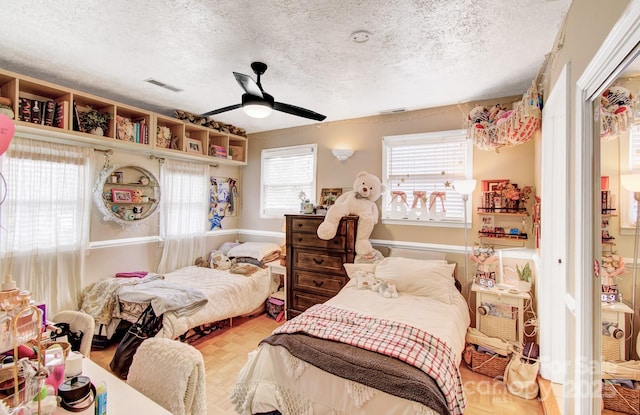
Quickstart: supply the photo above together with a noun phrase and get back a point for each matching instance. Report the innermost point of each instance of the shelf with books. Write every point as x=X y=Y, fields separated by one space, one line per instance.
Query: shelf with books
x=174 y=135
x=41 y=104
x=128 y=128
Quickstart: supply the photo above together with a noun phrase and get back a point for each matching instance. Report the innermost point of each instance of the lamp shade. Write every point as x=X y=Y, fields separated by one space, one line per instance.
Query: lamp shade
x=342 y=153
x=631 y=182
x=464 y=187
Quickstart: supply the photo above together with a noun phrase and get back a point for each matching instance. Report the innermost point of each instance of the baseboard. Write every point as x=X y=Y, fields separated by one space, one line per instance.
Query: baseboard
x=548 y=398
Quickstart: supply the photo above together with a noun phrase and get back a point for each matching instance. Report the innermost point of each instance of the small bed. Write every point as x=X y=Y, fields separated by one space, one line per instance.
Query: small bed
x=363 y=353
x=192 y=297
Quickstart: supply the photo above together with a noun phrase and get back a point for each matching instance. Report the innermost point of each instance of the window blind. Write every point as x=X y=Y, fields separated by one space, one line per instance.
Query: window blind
x=426 y=162
x=286 y=172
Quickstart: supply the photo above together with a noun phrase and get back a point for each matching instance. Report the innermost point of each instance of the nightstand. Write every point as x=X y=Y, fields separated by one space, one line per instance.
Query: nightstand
x=275 y=269
x=614 y=316
x=500 y=313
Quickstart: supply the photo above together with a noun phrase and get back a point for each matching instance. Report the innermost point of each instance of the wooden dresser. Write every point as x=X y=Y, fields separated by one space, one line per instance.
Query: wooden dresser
x=314 y=266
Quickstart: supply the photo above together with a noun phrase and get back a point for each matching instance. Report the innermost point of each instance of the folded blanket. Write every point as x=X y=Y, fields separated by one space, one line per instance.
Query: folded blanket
x=164 y=296
x=369 y=368
x=136 y=274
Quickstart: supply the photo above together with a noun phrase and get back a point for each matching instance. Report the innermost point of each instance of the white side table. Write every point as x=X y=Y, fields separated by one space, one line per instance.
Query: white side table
x=614 y=314
x=502 y=327
x=275 y=268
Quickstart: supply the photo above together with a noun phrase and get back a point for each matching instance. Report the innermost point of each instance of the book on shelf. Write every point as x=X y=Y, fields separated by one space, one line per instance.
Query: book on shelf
x=49 y=113
x=36 y=111
x=25 y=110
x=60 y=111
x=76 y=118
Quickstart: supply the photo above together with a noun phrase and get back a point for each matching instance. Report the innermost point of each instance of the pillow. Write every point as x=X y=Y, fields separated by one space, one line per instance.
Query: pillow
x=428 y=278
x=257 y=250
x=352 y=269
x=226 y=247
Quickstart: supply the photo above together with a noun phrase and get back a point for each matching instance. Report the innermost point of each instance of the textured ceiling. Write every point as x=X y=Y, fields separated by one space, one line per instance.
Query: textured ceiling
x=420 y=54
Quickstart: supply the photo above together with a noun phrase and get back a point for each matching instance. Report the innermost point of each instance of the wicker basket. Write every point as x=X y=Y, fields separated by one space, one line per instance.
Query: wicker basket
x=44 y=345
x=489 y=365
x=610 y=348
x=500 y=327
x=620 y=398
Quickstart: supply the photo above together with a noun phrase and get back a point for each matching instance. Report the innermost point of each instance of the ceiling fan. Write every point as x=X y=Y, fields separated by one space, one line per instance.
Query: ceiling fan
x=257 y=103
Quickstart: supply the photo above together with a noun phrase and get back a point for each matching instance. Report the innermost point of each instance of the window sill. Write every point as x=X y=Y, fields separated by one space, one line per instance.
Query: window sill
x=432 y=223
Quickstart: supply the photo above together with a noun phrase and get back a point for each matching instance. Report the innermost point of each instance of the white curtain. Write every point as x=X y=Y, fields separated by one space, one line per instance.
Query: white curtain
x=45 y=219
x=183 y=213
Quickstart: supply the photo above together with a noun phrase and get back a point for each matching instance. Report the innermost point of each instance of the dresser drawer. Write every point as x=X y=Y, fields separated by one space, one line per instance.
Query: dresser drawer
x=312 y=240
x=310 y=225
x=302 y=300
x=315 y=260
x=319 y=283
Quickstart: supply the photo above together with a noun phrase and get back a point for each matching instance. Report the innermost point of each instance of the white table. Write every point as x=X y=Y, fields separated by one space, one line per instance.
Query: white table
x=615 y=349
x=504 y=297
x=122 y=399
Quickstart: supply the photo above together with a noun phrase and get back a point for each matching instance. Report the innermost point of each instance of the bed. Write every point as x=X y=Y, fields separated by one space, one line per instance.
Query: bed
x=363 y=353
x=187 y=298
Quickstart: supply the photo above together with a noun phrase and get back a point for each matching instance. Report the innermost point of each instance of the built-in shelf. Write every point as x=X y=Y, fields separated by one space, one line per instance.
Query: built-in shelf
x=43 y=110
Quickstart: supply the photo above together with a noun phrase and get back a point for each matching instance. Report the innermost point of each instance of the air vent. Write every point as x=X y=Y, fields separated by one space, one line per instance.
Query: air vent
x=162 y=85
x=393 y=111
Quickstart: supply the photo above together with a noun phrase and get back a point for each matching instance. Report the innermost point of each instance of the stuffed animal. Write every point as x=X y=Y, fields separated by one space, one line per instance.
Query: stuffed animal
x=137 y=196
x=218 y=260
x=365 y=280
x=360 y=201
x=386 y=289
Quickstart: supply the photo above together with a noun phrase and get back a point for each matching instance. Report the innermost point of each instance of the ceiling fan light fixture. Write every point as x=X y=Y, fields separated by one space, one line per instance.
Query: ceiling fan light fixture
x=257 y=110
x=257 y=107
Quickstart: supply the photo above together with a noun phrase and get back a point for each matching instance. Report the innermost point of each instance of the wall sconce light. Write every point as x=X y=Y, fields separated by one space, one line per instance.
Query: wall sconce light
x=342 y=153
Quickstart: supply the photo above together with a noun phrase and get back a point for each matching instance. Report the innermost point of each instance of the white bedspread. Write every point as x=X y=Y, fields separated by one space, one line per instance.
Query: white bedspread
x=272 y=379
x=229 y=295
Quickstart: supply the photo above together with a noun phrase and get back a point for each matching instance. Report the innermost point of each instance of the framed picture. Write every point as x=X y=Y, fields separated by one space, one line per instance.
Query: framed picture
x=122 y=195
x=328 y=196
x=491 y=185
x=194 y=146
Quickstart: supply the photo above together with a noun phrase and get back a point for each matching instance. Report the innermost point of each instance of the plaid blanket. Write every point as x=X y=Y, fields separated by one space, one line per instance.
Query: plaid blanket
x=406 y=343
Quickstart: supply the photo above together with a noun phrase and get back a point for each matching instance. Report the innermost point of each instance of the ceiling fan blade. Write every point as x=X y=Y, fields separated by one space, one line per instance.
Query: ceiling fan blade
x=248 y=84
x=223 y=109
x=300 y=112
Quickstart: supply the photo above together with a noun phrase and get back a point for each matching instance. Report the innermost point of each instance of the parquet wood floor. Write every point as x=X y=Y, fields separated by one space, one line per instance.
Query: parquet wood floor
x=225 y=352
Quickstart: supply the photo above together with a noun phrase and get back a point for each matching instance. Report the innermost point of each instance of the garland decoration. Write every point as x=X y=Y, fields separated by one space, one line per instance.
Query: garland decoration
x=616 y=112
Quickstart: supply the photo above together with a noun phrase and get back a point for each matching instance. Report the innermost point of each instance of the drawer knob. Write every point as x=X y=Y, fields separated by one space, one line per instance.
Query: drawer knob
x=300 y=225
x=299 y=238
x=318 y=261
x=318 y=283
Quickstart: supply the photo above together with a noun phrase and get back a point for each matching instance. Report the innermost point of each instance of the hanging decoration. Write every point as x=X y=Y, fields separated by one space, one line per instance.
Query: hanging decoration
x=223 y=200
x=616 y=112
x=497 y=127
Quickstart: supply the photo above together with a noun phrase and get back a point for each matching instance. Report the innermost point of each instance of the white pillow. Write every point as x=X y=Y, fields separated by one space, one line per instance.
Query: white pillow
x=428 y=278
x=257 y=250
x=352 y=268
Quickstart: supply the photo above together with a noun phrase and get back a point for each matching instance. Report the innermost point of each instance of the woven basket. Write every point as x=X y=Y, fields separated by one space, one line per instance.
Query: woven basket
x=500 y=327
x=621 y=399
x=611 y=348
x=489 y=365
x=44 y=345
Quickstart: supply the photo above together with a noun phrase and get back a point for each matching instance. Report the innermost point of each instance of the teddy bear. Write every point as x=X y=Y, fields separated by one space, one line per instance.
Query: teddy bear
x=137 y=196
x=360 y=201
x=386 y=288
x=365 y=280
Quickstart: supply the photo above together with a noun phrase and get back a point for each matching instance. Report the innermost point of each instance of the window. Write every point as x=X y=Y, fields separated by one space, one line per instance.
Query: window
x=427 y=162
x=287 y=172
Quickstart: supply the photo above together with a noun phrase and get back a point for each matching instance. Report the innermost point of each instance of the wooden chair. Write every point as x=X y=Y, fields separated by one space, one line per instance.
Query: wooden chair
x=172 y=374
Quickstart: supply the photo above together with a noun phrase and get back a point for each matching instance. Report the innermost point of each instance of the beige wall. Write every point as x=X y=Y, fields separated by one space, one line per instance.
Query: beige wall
x=364 y=135
x=115 y=248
